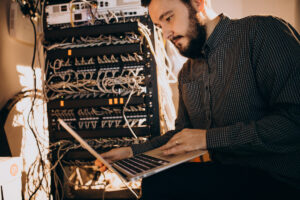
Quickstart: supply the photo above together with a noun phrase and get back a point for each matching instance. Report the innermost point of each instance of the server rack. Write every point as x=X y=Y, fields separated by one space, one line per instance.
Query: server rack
x=100 y=78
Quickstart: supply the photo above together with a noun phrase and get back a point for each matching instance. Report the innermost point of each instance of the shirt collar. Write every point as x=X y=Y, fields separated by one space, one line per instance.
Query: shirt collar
x=218 y=33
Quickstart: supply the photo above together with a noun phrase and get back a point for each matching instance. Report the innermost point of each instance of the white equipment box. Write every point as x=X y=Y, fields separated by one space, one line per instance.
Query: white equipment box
x=10 y=178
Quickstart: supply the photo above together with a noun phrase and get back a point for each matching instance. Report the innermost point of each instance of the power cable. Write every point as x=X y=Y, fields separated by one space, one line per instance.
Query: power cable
x=32 y=112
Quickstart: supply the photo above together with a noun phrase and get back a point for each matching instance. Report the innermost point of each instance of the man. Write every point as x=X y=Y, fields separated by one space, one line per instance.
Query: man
x=239 y=98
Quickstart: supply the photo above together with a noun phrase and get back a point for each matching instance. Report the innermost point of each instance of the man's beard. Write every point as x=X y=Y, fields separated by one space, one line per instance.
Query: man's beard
x=197 y=36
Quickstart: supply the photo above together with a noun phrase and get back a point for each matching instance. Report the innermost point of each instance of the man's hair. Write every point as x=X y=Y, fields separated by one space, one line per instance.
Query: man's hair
x=146 y=3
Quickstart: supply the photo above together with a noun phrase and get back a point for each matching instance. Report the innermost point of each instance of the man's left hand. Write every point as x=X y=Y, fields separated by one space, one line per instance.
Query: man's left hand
x=185 y=141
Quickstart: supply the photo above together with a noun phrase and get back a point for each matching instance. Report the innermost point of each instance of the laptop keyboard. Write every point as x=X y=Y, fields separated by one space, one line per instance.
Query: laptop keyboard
x=140 y=163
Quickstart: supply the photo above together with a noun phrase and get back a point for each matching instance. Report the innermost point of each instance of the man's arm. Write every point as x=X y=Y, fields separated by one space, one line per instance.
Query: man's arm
x=182 y=121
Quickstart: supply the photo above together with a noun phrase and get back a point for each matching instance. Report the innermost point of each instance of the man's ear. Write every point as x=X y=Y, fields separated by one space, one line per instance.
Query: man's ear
x=198 y=5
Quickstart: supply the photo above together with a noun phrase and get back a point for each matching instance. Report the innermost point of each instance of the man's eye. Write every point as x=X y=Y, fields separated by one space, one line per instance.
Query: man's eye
x=168 y=19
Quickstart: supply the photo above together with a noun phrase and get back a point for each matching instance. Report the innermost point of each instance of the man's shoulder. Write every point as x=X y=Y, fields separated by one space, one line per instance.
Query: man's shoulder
x=259 y=20
x=186 y=66
x=255 y=18
x=258 y=25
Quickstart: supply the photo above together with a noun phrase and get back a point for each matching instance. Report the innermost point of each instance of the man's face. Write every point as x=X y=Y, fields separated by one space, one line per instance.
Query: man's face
x=179 y=25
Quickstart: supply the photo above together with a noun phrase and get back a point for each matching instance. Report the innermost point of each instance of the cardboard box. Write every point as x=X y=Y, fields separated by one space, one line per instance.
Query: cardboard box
x=10 y=178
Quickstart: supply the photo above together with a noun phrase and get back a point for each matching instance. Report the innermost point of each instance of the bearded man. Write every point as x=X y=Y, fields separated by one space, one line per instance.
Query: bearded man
x=239 y=98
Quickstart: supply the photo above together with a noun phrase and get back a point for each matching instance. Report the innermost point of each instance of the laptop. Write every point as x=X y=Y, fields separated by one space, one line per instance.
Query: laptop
x=139 y=166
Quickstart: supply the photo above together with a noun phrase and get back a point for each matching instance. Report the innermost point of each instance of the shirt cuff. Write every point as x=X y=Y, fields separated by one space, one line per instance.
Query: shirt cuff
x=230 y=136
x=217 y=138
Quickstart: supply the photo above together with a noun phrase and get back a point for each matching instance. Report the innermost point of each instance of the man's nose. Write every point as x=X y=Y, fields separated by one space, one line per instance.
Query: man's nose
x=167 y=33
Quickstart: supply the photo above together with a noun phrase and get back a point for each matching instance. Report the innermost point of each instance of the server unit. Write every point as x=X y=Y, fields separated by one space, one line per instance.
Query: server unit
x=100 y=78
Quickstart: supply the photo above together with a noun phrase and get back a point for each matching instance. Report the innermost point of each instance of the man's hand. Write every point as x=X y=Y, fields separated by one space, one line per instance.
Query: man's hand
x=114 y=155
x=185 y=141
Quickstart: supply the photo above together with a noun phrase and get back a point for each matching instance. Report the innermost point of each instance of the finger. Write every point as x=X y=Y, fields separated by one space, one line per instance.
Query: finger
x=178 y=137
x=98 y=163
x=172 y=142
x=106 y=155
x=169 y=145
x=103 y=169
x=178 y=149
x=174 y=139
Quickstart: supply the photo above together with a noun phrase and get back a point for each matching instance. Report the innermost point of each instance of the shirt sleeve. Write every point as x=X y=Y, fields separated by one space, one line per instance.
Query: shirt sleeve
x=182 y=121
x=276 y=60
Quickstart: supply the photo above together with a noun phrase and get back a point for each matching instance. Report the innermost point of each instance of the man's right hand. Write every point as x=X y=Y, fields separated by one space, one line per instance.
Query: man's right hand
x=114 y=155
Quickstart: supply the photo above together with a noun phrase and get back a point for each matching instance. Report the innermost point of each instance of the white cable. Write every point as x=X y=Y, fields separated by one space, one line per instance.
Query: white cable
x=124 y=116
x=163 y=81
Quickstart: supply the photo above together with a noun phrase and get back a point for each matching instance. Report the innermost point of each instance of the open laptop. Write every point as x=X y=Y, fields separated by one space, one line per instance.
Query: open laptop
x=139 y=166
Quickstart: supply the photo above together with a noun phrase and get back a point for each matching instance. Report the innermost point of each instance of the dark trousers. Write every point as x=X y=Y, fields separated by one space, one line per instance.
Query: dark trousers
x=214 y=181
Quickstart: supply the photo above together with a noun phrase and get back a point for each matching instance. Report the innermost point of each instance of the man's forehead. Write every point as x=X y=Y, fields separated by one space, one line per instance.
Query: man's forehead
x=157 y=8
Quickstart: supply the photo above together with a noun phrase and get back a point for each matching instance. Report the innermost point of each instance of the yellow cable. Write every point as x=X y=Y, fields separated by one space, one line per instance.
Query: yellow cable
x=71 y=14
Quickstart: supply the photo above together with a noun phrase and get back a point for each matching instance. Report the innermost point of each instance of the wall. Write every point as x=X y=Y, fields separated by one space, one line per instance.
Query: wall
x=16 y=75
x=12 y=54
x=289 y=10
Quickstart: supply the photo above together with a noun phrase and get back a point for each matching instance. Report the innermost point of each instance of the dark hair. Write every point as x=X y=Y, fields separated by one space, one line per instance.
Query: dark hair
x=146 y=3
